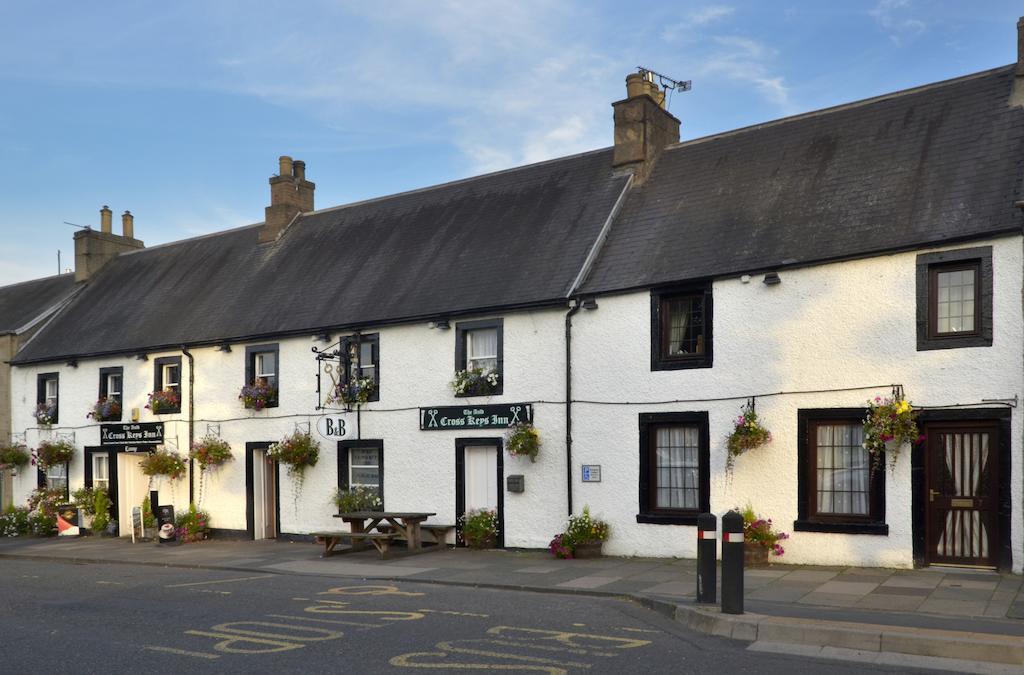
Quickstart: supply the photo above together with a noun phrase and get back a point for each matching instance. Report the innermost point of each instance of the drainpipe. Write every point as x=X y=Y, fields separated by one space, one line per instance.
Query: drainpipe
x=191 y=421
x=574 y=307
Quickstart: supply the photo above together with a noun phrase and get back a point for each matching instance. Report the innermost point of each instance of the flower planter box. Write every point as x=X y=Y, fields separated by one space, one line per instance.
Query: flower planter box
x=588 y=549
x=754 y=555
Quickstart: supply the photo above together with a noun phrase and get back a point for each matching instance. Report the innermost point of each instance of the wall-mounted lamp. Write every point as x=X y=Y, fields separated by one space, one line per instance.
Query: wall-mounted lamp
x=745 y=279
x=589 y=303
x=322 y=336
x=142 y=356
x=440 y=324
x=72 y=363
x=226 y=348
x=771 y=279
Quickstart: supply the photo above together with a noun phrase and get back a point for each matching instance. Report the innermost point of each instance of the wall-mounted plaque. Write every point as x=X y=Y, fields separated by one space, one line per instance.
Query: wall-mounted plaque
x=463 y=417
x=135 y=433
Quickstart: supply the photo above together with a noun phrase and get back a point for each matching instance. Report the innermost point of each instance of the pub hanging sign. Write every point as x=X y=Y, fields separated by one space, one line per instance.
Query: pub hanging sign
x=136 y=433
x=475 y=416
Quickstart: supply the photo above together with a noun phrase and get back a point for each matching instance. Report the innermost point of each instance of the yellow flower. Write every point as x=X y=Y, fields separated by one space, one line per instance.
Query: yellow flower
x=902 y=407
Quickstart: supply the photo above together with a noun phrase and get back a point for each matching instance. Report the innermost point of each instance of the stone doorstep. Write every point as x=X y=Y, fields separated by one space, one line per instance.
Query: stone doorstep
x=985 y=647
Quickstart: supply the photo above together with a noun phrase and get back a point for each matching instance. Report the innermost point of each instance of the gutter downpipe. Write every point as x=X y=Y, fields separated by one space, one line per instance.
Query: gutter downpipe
x=574 y=307
x=191 y=422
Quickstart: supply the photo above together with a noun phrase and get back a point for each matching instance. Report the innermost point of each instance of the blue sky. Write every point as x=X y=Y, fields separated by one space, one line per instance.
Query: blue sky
x=179 y=111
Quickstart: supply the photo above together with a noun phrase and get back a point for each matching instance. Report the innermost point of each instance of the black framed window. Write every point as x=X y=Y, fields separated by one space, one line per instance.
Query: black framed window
x=479 y=348
x=361 y=360
x=48 y=395
x=954 y=299
x=840 y=488
x=167 y=375
x=112 y=388
x=361 y=464
x=675 y=476
x=263 y=368
x=681 y=328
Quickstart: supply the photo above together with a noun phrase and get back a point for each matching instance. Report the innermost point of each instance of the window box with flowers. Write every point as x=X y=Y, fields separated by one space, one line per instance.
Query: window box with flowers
x=45 y=414
x=889 y=425
x=475 y=382
x=105 y=410
x=164 y=401
x=258 y=396
x=356 y=391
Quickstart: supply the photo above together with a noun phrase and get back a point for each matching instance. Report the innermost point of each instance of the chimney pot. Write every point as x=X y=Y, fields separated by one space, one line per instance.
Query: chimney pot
x=300 y=169
x=106 y=223
x=635 y=85
x=285 y=165
x=128 y=224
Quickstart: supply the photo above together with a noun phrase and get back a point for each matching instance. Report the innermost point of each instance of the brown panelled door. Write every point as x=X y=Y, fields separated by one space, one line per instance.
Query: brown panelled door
x=962 y=501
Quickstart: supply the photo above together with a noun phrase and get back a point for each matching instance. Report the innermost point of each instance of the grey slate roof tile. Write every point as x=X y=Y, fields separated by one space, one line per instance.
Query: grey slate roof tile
x=910 y=169
x=516 y=237
x=23 y=302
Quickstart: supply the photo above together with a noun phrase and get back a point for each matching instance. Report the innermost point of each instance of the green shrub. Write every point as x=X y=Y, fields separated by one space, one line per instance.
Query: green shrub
x=479 y=528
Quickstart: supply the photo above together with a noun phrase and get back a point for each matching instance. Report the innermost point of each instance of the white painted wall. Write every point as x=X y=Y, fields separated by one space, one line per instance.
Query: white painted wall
x=846 y=324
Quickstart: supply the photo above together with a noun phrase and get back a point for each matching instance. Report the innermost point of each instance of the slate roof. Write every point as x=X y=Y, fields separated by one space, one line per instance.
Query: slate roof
x=512 y=238
x=913 y=168
x=23 y=302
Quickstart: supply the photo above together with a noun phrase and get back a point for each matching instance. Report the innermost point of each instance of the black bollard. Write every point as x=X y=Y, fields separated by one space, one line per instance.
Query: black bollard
x=707 y=525
x=732 y=563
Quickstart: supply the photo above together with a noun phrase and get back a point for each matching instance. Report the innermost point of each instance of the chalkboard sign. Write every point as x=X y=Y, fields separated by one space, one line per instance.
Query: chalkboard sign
x=137 y=532
x=165 y=524
x=463 y=417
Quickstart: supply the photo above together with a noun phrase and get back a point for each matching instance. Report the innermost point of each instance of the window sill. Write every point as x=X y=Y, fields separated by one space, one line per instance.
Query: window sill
x=926 y=344
x=681 y=364
x=174 y=411
x=496 y=392
x=665 y=519
x=881 y=529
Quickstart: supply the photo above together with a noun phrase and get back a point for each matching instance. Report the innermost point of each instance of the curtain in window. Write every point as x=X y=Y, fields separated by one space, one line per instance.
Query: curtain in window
x=482 y=349
x=679 y=317
x=844 y=468
x=676 y=470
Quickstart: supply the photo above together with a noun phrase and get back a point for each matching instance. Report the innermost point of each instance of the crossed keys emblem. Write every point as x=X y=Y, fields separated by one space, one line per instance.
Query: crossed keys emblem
x=333 y=372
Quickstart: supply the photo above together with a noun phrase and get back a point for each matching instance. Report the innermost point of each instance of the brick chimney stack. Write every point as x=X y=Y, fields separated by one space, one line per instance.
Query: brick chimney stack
x=95 y=249
x=1017 y=94
x=290 y=195
x=642 y=127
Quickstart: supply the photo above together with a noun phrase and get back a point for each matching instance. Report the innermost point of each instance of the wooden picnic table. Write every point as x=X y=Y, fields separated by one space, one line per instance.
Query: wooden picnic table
x=406 y=522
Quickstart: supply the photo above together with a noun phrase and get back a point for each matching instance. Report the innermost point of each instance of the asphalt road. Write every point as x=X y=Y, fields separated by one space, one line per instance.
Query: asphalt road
x=70 y=618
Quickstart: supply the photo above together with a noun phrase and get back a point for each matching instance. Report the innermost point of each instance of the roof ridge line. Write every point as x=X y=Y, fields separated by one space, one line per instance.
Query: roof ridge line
x=36 y=281
x=457 y=181
x=836 y=108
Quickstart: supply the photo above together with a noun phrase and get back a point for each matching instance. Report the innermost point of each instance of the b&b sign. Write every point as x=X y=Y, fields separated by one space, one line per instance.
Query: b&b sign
x=337 y=427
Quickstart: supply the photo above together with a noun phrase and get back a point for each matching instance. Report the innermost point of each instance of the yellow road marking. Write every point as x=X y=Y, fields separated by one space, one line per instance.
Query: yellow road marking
x=318 y=634
x=111 y=583
x=218 y=581
x=545 y=648
x=368 y=590
x=566 y=638
x=639 y=630
x=183 y=652
x=444 y=611
x=580 y=624
x=228 y=639
x=335 y=621
x=404 y=661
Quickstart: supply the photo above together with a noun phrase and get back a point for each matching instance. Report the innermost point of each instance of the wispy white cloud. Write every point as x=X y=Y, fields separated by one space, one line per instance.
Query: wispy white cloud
x=892 y=16
x=696 y=19
x=745 y=60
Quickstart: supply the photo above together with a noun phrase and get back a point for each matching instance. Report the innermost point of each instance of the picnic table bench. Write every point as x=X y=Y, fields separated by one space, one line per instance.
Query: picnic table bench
x=380 y=540
x=406 y=525
x=438 y=531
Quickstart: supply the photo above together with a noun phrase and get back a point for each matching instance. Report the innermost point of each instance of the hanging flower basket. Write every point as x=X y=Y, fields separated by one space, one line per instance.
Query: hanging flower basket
x=354 y=392
x=210 y=452
x=164 y=463
x=13 y=456
x=54 y=453
x=298 y=451
x=890 y=423
x=747 y=434
x=105 y=410
x=45 y=414
x=258 y=396
x=475 y=382
x=164 y=401
x=522 y=440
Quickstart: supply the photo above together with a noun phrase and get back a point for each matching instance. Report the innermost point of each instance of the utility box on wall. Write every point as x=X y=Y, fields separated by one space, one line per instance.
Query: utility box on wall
x=516 y=483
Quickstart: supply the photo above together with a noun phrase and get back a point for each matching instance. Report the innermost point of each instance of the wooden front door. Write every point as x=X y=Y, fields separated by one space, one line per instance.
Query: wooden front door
x=963 y=487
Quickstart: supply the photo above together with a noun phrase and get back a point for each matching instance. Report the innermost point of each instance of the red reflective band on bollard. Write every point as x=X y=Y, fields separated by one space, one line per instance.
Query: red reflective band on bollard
x=705 y=534
x=732 y=537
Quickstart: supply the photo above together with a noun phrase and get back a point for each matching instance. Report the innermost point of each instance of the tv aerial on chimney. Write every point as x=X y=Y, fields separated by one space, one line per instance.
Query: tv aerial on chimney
x=667 y=83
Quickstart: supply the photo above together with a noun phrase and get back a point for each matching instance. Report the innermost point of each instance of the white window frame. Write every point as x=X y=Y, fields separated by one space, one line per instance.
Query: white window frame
x=115 y=392
x=472 y=359
x=352 y=467
x=51 y=391
x=167 y=381
x=98 y=482
x=269 y=376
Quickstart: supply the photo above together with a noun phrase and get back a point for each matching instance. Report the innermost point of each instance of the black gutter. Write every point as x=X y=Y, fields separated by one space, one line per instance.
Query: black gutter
x=191 y=422
x=568 y=400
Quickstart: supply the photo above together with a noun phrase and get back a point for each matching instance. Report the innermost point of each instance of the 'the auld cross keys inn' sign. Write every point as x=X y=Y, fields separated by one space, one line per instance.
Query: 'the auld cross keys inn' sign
x=475 y=416
x=138 y=433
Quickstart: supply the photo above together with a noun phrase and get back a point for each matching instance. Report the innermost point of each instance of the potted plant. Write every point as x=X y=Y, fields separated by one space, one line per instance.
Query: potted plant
x=359 y=498
x=356 y=391
x=210 y=453
x=522 y=440
x=298 y=452
x=13 y=457
x=95 y=505
x=54 y=453
x=192 y=525
x=889 y=424
x=45 y=414
x=164 y=463
x=479 y=528
x=258 y=396
x=760 y=538
x=583 y=537
x=148 y=520
x=105 y=410
x=747 y=434
x=164 y=401
x=474 y=382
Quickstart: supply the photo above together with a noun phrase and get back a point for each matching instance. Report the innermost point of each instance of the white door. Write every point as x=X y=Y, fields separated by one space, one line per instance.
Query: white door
x=264 y=496
x=132 y=488
x=481 y=477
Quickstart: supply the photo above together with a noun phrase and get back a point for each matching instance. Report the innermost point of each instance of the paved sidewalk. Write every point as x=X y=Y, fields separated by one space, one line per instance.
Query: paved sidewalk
x=875 y=602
